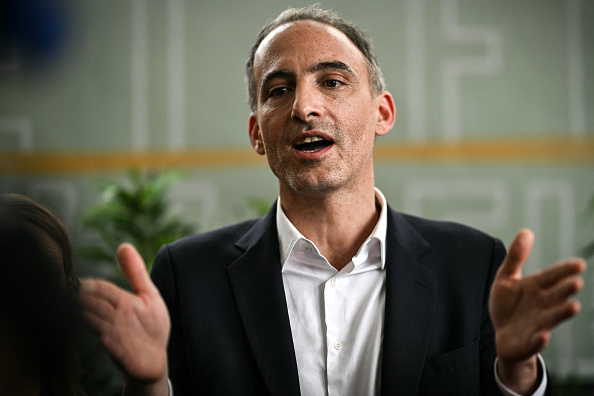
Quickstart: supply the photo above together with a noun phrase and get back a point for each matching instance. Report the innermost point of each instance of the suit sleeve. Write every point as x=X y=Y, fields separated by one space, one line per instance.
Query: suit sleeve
x=163 y=276
x=487 y=345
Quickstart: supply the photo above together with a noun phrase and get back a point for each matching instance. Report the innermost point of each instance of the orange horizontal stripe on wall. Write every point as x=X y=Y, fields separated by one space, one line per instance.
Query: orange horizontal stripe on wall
x=545 y=150
x=553 y=150
x=84 y=162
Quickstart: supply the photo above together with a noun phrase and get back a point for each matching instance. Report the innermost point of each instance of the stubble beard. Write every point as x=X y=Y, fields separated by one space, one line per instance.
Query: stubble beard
x=307 y=185
x=309 y=179
x=316 y=179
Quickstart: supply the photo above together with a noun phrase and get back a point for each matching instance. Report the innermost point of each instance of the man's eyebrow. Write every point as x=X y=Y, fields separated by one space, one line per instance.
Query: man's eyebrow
x=331 y=65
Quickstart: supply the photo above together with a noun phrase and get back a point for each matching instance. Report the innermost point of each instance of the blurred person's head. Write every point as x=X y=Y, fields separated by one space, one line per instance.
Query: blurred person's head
x=30 y=213
x=39 y=315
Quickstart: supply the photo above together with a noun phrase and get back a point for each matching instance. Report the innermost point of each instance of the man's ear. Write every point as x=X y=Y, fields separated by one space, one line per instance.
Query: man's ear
x=386 y=113
x=255 y=136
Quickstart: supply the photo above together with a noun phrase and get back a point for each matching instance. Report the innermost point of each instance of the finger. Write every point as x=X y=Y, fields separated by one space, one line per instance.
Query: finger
x=563 y=290
x=554 y=316
x=518 y=253
x=548 y=277
x=102 y=290
x=135 y=270
x=98 y=307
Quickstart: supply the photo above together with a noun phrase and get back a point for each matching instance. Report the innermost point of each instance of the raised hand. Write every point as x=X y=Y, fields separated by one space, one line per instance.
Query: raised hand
x=133 y=327
x=524 y=309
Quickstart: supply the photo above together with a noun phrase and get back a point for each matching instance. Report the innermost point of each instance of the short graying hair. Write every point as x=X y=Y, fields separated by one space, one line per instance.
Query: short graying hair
x=315 y=13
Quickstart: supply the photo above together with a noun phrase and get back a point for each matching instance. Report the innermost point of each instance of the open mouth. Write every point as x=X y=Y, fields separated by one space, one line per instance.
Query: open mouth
x=311 y=144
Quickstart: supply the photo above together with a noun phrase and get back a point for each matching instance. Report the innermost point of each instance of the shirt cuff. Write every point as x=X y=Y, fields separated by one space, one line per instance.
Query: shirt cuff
x=168 y=383
x=540 y=391
x=170 y=387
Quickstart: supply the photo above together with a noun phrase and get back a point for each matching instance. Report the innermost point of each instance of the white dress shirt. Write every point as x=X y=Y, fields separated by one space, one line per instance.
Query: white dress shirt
x=337 y=317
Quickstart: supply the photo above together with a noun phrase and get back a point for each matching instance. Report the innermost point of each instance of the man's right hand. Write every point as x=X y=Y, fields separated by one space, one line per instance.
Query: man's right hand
x=133 y=327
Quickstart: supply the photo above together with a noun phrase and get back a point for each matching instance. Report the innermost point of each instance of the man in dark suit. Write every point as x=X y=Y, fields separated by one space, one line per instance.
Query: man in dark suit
x=332 y=292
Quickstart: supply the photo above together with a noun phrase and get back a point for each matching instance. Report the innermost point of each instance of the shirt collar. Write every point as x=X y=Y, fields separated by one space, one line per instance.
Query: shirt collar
x=288 y=235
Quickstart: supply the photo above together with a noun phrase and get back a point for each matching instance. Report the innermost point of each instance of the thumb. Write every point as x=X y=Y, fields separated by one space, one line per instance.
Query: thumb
x=517 y=254
x=134 y=269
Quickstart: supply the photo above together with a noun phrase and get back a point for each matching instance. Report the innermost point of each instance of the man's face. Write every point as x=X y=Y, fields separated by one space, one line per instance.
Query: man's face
x=316 y=119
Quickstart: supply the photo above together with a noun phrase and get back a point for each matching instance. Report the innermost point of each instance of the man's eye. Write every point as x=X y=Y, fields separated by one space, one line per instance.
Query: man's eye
x=332 y=83
x=278 y=91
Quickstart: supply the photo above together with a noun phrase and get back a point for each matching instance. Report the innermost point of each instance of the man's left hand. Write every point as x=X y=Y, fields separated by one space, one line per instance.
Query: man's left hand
x=524 y=310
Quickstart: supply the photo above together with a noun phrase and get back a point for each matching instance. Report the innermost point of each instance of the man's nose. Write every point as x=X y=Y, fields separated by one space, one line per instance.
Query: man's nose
x=307 y=103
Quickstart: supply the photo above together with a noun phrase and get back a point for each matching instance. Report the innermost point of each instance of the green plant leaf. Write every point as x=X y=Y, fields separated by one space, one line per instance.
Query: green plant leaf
x=136 y=211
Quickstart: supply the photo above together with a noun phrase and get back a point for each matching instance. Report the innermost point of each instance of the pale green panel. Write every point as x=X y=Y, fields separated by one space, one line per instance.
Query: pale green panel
x=530 y=93
x=105 y=90
x=508 y=61
x=157 y=42
x=507 y=67
x=219 y=35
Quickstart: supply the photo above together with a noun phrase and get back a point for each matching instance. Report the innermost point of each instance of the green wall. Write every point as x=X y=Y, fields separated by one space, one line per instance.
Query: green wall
x=165 y=75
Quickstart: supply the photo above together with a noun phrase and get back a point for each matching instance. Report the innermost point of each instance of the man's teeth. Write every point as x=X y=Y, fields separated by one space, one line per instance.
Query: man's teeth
x=311 y=144
x=310 y=139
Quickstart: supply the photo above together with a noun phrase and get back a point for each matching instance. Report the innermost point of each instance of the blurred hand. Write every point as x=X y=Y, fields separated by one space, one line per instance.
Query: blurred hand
x=524 y=309
x=133 y=327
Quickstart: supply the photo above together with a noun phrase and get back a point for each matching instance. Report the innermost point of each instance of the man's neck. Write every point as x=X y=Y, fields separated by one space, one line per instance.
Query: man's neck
x=338 y=223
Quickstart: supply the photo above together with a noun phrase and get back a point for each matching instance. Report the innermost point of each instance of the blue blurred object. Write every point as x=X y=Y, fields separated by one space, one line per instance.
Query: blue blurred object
x=37 y=29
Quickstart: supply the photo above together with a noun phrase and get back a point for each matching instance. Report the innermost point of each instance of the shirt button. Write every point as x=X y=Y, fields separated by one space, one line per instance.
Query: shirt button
x=305 y=246
x=337 y=345
x=333 y=282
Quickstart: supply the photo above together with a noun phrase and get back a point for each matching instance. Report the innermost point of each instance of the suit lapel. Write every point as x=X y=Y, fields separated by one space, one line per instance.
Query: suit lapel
x=411 y=291
x=257 y=283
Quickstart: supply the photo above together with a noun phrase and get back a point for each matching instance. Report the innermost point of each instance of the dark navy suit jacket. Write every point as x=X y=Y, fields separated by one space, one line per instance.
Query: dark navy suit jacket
x=230 y=327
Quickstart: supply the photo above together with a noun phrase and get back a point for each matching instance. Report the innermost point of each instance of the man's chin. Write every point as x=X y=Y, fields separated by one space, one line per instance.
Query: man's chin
x=311 y=187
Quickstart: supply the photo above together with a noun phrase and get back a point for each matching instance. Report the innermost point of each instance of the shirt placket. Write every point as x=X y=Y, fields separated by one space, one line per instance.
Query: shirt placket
x=335 y=332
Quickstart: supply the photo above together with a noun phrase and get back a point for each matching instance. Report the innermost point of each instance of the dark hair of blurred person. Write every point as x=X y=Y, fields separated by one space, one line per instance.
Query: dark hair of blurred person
x=39 y=315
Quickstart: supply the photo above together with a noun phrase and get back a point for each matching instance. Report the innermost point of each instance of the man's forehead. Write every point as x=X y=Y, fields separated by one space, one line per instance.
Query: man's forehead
x=303 y=39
